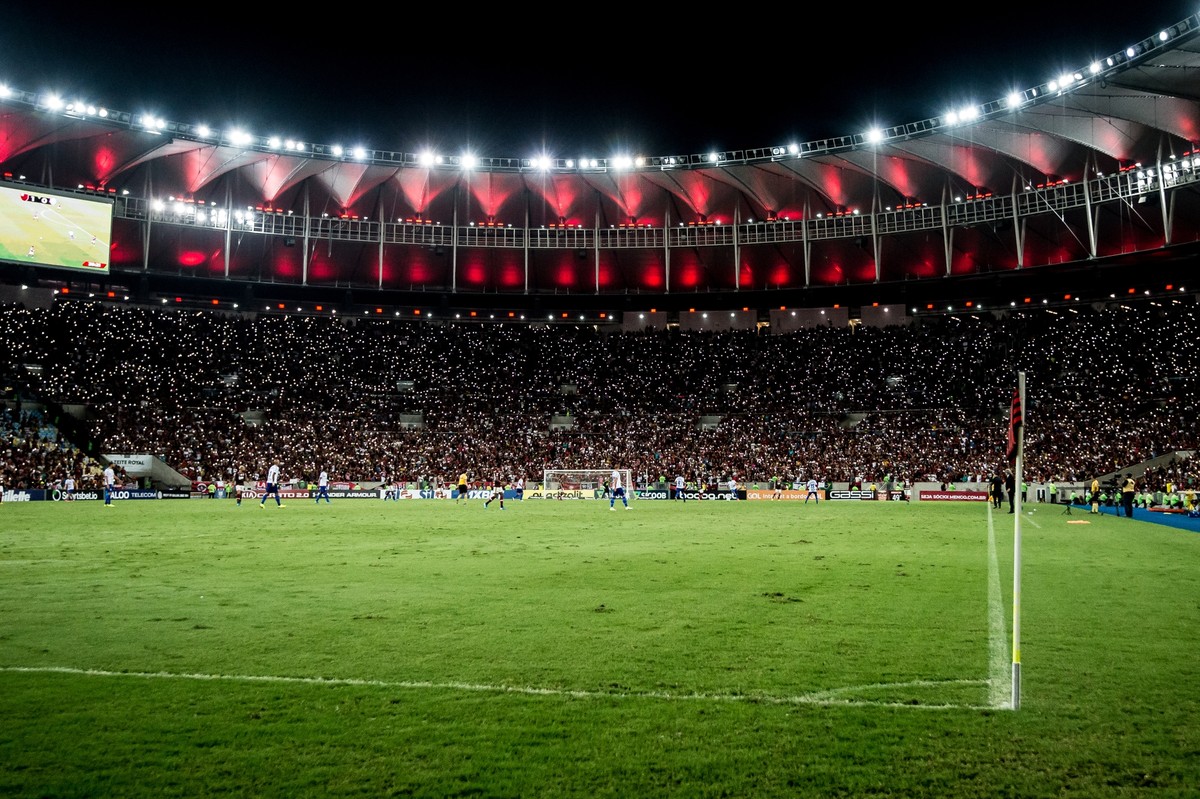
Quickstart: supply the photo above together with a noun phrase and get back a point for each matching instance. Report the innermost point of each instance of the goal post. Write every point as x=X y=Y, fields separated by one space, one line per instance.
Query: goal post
x=584 y=480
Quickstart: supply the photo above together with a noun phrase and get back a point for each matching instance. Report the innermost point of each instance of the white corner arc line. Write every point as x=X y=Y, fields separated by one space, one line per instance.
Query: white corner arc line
x=828 y=698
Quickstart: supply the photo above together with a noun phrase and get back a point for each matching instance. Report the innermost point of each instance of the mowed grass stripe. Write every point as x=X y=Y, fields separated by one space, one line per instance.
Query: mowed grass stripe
x=560 y=650
x=755 y=598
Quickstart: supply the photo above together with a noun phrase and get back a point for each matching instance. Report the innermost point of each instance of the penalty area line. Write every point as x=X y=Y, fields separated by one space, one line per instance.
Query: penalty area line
x=837 y=697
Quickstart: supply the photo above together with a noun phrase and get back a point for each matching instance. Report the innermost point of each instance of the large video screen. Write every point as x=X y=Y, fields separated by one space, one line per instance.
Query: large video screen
x=41 y=227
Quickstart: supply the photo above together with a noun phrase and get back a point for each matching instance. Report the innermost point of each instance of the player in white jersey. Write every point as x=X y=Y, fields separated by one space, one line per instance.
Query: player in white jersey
x=616 y=489
x=272 y=487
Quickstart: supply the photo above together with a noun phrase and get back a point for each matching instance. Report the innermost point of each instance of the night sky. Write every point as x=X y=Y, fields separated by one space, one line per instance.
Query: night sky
x=654 y=82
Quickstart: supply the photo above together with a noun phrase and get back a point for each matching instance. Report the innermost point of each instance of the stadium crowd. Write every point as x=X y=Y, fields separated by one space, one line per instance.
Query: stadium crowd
x=224 y=394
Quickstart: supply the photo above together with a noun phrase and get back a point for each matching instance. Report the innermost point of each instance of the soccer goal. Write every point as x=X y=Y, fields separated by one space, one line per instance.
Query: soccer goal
x=584 y=480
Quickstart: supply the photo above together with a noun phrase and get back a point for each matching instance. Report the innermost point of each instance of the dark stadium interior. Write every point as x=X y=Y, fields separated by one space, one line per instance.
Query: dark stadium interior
x=1082 y=186
x=1075 y=198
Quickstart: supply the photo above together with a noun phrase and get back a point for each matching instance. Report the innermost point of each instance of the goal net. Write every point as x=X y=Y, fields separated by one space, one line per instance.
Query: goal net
x=584 y=480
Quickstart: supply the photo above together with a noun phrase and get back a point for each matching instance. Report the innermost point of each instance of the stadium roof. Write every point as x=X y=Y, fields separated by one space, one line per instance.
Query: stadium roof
x=1095 y=166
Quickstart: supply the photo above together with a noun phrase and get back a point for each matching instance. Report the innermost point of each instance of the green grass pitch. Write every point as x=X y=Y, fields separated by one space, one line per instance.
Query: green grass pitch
x=556 y=649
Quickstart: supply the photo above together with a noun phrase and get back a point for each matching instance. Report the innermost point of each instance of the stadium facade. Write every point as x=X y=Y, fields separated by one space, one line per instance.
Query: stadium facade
x=1083 y=187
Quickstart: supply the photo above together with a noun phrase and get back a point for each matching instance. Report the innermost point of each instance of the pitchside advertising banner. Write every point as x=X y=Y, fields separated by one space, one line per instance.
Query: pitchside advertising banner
x=786 y=493
x=954 y=496
x=576 y=493
x=854 y=493
x=859 y=494
x=362 y=493
x=55 y=495
x=688 y=494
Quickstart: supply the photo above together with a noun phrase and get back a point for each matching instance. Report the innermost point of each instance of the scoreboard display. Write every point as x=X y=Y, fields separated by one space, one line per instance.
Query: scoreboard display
x=42 y=227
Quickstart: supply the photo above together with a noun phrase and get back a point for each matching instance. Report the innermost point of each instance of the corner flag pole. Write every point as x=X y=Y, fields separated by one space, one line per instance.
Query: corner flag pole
x=1017 y=481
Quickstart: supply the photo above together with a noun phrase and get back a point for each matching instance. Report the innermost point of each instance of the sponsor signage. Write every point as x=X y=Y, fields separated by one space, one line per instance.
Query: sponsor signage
x=62 y=496
x=539 y=493
x=284 y=493
x=787 y=493
x=24 y=496
x=652 y=494
x=133 y=464
x=853 y=493
x=339 y=493
x=346 y=493
x=133 y=493
x=691 y=494
x=953 y=496
x=175 y=493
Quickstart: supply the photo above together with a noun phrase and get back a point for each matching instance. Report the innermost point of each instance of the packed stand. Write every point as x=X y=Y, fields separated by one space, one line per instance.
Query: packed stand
x=222 y=394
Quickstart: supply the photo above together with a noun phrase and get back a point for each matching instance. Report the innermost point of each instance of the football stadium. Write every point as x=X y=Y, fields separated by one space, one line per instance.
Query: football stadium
x=858 y=466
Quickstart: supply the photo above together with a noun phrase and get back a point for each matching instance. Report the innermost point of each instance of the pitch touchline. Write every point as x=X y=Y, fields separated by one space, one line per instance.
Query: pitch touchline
x=833 y=697
x=1000 y=683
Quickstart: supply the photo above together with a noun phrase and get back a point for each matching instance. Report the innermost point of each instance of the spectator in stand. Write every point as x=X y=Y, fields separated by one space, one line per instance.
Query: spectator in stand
x=144 y=373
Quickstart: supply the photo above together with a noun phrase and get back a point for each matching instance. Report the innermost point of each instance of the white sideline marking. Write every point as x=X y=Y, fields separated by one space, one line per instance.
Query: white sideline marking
x=1000 y=676
x=832 y=697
